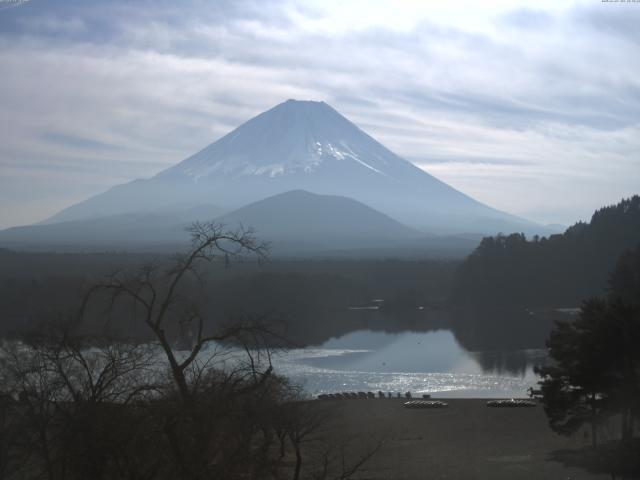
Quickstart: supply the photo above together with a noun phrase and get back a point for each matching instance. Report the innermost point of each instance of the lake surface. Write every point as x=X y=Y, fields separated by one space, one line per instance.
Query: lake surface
x=421 y=362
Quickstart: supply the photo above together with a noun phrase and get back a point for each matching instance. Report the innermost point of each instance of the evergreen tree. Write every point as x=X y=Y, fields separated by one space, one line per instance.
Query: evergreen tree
x=560 y=270
x=575 y=386
x=595 y=369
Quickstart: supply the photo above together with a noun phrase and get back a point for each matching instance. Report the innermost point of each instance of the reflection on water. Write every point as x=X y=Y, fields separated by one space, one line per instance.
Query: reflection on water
x=511 y=362
x=439 y=350
x=408 y=352
x=421 y=362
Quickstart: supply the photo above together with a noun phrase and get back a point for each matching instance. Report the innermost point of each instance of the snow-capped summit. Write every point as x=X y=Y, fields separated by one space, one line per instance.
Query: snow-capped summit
x=303 y=145
x=293 y=137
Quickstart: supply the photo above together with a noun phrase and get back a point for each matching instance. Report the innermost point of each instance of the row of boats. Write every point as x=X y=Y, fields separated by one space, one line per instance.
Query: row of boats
x=511 y=403
x=353 y=395
x=425 y=404
x=426 y=401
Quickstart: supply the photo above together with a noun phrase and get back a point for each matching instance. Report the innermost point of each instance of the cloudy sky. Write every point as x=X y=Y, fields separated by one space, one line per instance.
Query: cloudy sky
x=531 y=108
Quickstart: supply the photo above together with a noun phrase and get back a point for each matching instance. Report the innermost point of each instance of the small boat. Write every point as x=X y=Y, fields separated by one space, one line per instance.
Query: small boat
x=511 y=403
x=425 y=404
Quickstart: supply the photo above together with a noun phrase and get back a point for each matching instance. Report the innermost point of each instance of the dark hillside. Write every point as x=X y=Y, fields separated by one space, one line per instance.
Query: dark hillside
x=557 y=271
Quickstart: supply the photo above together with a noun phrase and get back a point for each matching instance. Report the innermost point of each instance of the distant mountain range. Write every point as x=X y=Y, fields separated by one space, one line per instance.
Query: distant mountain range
x=295 y=223
x=299 y=173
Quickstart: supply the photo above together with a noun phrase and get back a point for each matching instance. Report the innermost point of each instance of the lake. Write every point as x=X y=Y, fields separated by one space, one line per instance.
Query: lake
x=431 y=362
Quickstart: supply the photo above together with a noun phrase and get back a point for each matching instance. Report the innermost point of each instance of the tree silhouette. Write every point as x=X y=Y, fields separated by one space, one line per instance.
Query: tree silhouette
x=74 y=406
x=594 y=374
x=560 y=270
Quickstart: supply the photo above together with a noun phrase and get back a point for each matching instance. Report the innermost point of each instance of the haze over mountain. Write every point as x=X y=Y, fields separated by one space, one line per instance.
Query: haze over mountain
x=310 y=217
x=295 y=223
x=140 y=231
x=303 y=145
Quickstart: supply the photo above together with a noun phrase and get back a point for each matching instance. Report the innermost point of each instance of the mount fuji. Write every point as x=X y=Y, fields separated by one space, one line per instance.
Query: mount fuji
x=303 y=175
x=303 y=145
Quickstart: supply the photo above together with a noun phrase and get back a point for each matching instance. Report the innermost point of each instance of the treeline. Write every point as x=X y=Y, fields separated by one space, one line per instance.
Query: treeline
x=310 y=298
x=557 y=271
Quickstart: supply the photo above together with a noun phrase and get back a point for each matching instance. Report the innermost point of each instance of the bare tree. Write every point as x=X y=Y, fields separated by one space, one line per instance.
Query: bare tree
x=72 y=402
x=302 y=422
x=155 y=292
x=156 y=295
x=100 y=407
x=339 y=460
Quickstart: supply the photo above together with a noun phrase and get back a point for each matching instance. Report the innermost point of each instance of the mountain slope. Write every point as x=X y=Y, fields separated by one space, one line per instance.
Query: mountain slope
x=319 y=219
x=296 y=219
x=115 y=231
x=309 y=146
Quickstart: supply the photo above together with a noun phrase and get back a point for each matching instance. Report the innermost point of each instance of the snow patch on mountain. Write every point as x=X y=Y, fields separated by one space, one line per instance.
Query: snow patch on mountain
x=307 y=161
x=292 y=138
